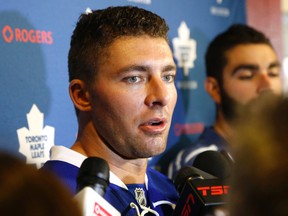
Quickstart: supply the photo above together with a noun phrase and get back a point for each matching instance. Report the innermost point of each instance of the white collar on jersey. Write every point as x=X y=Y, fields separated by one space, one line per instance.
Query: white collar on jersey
x=70 y=156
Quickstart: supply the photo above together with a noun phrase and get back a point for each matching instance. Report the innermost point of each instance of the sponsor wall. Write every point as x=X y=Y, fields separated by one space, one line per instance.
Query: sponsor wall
x=36 y=111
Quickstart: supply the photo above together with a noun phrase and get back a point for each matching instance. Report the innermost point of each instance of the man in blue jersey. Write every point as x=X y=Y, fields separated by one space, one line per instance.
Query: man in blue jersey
x=121 y=73
x=241 y=65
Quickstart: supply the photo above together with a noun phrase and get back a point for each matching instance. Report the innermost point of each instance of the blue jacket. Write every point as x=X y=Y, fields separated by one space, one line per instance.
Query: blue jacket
x=208 y=140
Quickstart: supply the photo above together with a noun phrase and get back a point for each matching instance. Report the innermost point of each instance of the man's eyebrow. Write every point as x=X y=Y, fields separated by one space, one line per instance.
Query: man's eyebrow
x=169 y=68
x=143 y=68
x=140 y=68
x=254 y=67
x=274 y=64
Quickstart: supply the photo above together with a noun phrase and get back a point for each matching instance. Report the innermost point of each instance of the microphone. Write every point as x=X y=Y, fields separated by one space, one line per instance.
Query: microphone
x=92 y=181
x=203 y=191
x=189 y=173
x=228 y=157
x=94 y=173
x=214 y=163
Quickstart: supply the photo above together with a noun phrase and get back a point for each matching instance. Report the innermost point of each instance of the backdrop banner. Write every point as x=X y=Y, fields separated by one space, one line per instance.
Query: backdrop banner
x=36 y=111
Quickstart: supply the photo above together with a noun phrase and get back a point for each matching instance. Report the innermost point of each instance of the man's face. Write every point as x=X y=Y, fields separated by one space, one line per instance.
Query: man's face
x=134 y=96
x=251 y=70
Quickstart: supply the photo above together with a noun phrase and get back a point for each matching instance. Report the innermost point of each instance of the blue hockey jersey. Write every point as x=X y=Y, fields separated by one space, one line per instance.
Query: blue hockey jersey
x=162 y=195
x=208 y=140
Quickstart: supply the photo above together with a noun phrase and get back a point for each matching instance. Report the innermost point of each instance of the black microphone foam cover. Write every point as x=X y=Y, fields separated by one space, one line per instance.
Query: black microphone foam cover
x=93 y=172
x=189 y=173
x=214 y=163
x=183 y=175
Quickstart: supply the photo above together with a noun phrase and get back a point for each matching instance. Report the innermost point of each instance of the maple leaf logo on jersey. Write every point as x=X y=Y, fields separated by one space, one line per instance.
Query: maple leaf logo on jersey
x=35 y=142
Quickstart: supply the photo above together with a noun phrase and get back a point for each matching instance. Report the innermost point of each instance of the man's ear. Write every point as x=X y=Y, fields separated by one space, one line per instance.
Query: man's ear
x=213 y=89
x=79 y=95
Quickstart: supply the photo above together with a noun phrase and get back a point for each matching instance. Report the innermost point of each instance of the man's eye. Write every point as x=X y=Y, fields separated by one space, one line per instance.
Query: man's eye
x=169 y=78
x=273 y=73
x=133 y=79
x=245 y=75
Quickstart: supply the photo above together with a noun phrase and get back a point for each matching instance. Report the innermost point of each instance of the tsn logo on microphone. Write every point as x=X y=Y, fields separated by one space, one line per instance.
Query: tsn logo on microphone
x=207 y=196
x=214 y=190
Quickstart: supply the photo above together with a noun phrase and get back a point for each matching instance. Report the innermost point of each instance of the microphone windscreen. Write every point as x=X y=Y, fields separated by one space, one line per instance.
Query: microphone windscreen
x=228 y=157
x=191 y=173
x=213 y=163
x=93 y=172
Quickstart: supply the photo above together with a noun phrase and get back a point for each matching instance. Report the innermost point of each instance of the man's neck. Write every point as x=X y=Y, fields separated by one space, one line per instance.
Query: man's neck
x=223 y=128
x=130 y=171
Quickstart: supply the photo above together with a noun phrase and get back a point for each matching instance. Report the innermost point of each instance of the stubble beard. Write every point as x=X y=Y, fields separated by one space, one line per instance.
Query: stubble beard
x=229 y=107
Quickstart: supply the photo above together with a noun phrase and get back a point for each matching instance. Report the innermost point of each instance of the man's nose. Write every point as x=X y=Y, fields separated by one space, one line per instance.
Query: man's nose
x=157 y=93
x=264 y=82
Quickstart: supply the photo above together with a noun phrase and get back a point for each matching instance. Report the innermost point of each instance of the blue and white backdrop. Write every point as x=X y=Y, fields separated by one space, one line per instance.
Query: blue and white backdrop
x=36 y=111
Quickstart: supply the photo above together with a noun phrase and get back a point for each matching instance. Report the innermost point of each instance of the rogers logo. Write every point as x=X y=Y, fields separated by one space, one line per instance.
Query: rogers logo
x=189 y=128
x=26 y=36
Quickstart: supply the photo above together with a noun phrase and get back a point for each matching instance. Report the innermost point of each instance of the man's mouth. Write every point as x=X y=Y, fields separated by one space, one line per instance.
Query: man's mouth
x=154 y=125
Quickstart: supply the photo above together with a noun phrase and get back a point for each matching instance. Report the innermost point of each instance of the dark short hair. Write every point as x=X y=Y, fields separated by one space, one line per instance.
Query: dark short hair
x=96 y=30
x=237 y=34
